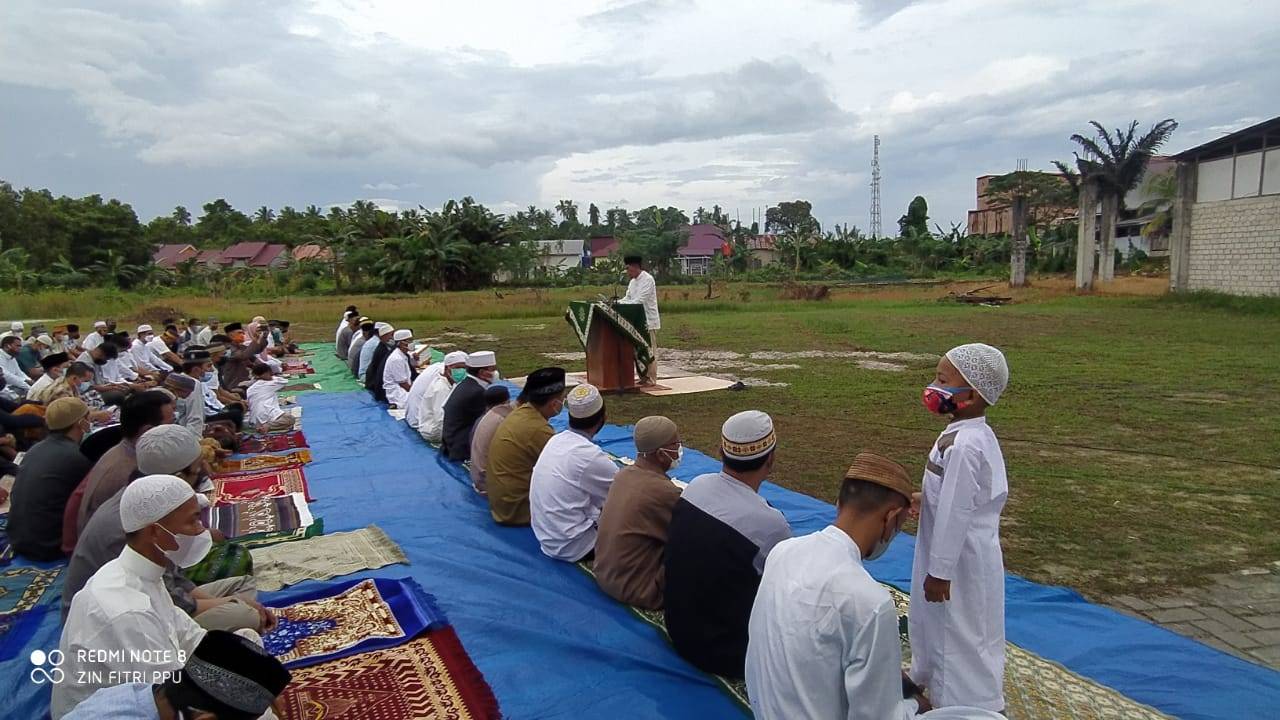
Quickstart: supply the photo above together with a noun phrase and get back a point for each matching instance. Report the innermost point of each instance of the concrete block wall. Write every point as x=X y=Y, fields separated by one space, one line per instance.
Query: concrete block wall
x=1235 y=246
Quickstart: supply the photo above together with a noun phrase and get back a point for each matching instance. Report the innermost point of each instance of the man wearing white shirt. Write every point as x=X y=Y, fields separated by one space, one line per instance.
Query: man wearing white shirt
x=125 y=607
x=346 y=318
x=384 y=332
x=431 y=410
x=205 y=336
x=644 y=291
x=413 y=405
x=397 y=374
x=161 y=350
x=823 y=633
x=571 y=480
x=263 y=396
x=144 y=359
x=95 y=338
x=14 y=378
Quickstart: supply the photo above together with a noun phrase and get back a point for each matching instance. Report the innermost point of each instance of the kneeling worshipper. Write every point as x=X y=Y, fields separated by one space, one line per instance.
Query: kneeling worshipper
x=518 y=443
x=15 y=379
x=632 y=529
x=227 y=678
x=721 y=532
x=145 y=359
x=265 y=413
x=430 y=410
x=571 y=480
x=824 y=634
x=347 y=314
x=378 y=363
x=117 y=466
x=397 y=371
x=30 y=353
x=367 y=332
x=342 y=344
x=46 y=478
x=466 y=404
x=226 y=604
x=53 y=365
x=192 y=405
x=125 y=606
x=498 y=401
x=957 y=579
x=382 y=334
x=237 y=365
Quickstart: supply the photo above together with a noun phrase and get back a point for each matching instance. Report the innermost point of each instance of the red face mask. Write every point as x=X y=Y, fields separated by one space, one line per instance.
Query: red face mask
x=940 y=400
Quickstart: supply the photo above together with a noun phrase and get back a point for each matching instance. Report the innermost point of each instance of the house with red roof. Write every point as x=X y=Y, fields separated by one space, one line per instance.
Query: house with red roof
x=311 y=252
x=706 y=241
x=601 y=247
x=173 y=254
x=255 y=255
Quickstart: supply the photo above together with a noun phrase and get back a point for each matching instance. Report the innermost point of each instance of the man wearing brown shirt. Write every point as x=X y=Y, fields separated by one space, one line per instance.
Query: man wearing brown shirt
x=632 y=534
x=518 y=443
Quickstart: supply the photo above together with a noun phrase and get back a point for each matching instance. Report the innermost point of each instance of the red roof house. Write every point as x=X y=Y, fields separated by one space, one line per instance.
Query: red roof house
x=705 y=242
x=173 y=254
x=255 y=254
x=312 y=251
x=601 y=247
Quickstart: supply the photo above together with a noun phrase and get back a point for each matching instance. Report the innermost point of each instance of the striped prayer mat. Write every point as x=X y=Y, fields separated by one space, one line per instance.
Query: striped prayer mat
x=246 y=487
x=258 y=517
x=262 y=462
x=324 y=557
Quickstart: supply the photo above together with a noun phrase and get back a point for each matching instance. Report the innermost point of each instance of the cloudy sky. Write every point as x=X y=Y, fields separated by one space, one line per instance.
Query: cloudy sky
x=741 y=103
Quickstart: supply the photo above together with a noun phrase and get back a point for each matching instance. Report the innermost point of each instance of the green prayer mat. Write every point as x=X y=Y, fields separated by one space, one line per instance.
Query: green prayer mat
x=626 y=318
x=331 y=372
x=264 y=539
x=226 y=559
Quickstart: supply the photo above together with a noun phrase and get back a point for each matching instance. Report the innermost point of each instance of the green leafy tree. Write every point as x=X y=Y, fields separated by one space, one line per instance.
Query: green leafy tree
x=593 y=214
x=568 y=210
x=916 y=220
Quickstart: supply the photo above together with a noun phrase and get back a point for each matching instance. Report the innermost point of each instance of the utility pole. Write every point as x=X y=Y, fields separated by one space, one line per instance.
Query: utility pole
x=875 y=190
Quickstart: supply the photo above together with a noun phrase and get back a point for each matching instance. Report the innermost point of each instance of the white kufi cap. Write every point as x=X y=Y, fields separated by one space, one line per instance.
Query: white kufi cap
x=16 y=325
x=144 y=329
x=167 y=449
x=584 y=401
x=100 y=323
x=402 y=335
x=148 y=499
x=983 y=367
x=482 y=359
x=748 y=435
x=457 y=357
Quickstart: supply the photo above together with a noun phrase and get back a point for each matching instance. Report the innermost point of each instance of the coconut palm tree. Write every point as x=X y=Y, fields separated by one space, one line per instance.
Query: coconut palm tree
x=182 y=216
x=568 y=210
x=115 y=269
x=1162 y=190
x=335 y=239
x=264 y=215
x=425 y=255
x=1118 y=163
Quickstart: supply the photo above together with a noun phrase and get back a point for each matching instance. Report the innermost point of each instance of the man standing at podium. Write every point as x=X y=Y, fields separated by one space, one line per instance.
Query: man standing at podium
x=644 y=291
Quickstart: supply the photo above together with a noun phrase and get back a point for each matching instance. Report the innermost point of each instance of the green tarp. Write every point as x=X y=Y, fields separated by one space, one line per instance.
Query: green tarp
x=626 y=318
x=331 y=374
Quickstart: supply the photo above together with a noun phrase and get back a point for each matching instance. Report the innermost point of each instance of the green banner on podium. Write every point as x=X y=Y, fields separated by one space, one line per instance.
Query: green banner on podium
x=626 y=318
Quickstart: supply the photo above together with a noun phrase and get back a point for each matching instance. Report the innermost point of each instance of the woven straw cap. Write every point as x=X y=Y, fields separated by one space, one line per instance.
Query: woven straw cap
x=880 y=470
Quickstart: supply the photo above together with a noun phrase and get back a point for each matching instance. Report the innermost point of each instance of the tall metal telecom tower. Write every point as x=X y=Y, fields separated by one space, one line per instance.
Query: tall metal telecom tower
x=875 y=190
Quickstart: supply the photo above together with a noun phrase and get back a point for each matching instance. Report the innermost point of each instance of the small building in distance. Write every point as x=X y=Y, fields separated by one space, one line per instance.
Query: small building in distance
x=560 y=255
x=312 y=252
x=173 y=255
x=1226 y=214
x=704 y=243
x=601 y=247
x=255 y=255
x=764 y=251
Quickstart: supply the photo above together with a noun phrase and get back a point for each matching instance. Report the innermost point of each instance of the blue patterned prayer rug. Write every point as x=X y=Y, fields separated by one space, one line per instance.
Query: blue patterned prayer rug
x=6 y=550
x=340 y=619
x=24 y=599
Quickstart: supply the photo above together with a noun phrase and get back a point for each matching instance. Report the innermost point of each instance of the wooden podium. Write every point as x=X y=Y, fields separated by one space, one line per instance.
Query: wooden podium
x=611 y=360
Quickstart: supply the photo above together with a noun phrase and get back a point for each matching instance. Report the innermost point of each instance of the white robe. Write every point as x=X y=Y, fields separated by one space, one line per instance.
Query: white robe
x=431 y=412
x=824 y=636
x=396 y=371
x=567 y=490
x=644 y=291
x=418 y=391
x=263 y=397
x=958 y=647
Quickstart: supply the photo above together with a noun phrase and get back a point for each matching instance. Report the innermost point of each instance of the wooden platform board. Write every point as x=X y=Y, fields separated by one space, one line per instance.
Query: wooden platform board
x=670 y=382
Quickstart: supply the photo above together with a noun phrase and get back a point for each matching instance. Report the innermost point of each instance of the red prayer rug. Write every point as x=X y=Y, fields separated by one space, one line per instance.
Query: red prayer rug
x=258 y=463
x=251 y=444
x=430 y=677
x=297 y=368
x=244 y=487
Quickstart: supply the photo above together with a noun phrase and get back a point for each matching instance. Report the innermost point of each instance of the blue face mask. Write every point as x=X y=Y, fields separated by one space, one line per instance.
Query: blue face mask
x=84 y=386
x=458 y=374
x=208 y=377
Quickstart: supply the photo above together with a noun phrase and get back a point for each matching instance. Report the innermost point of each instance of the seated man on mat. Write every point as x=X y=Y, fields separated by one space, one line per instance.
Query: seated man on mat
x=265 y=413
x=421 y=384
x=358 y=339
x=721 y=532
x=430 y=417
x=571 y=480
x=46 y=478
x=397 y=373
x=518 y=443
x=824 y=634
x=633 y=524
x=497 y=400
x=466 y=404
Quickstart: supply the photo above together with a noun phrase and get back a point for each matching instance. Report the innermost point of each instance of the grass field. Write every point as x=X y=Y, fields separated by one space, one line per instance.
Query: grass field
x=1139 y=430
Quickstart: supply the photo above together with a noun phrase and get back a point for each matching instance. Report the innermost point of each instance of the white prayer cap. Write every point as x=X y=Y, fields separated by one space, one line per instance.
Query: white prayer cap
x=457 y=357
x=100 y=323
x=45 y=340
x=402 y=335
x=983 y=367
x=167 y=449
x=386 y=329
x=584 y=401
x=144 y=329
x=16 y=325
x=748 y=435
x=149 y=498
x=259 y=319
x=482 y=359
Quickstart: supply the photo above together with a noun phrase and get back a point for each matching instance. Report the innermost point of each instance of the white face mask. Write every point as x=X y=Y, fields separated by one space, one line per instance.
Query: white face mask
x=207 y=377
x=191 y=548
x=881 y=546
x=675 y=461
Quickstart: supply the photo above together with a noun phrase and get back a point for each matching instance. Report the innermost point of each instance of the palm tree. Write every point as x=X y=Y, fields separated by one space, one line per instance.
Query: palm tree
x=1162 y=190
x=14 y=267
x=264 y=215
x=426 y=255
x=338 y=236
x=568 y=210
x=1118 y=164
x=182 y=216
x=115 y=269
x=593 y=214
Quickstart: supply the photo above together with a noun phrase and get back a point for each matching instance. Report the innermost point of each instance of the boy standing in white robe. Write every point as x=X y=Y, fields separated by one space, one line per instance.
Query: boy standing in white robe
x=957 y=581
